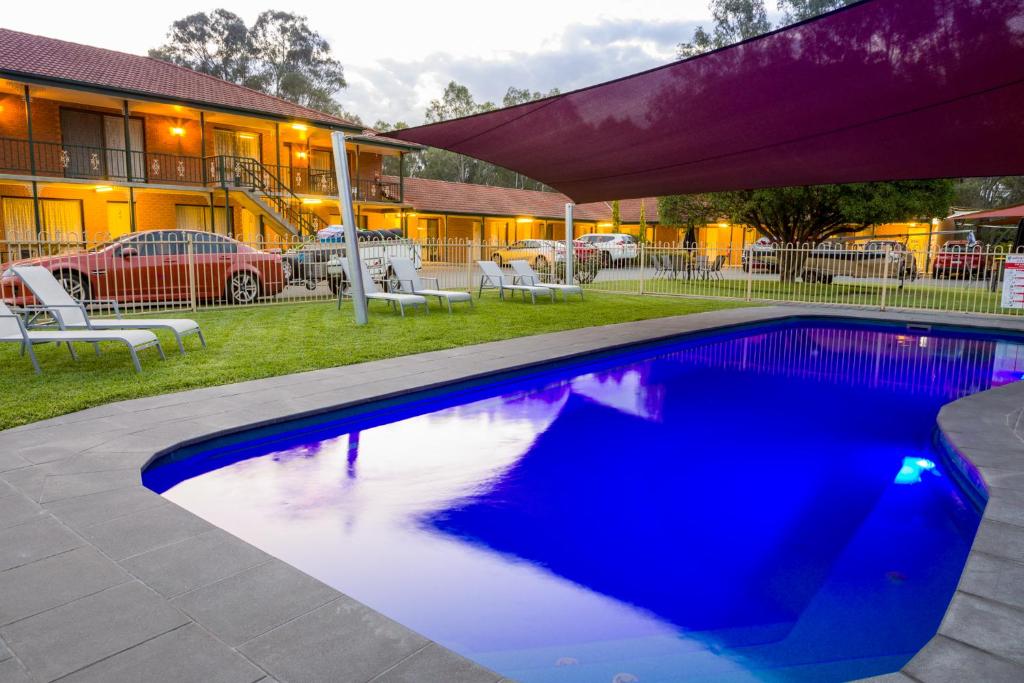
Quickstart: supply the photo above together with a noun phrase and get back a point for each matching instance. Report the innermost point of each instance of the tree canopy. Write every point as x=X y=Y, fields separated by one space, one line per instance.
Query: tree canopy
x=279 y=55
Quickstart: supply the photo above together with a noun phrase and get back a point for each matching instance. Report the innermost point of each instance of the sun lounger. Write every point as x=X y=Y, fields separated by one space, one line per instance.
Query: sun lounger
x=494 y=278
x=12 y=329
x=73 y=314
x=528 y=276
x=375 y=293
x=410 y=282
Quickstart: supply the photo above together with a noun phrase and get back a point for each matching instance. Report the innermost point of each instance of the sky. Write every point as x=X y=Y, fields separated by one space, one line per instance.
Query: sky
x=399 y=55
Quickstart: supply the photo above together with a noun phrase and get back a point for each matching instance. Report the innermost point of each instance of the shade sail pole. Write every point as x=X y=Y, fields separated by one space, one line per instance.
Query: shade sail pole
x=569 y=233
x=348 y=218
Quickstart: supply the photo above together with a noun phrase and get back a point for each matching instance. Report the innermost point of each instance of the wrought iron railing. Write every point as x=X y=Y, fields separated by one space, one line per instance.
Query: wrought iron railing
x=322 y=182
x=56 y=159
x=250 y=174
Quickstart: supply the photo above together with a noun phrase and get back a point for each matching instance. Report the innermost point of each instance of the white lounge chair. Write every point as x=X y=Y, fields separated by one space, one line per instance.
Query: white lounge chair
x=374 y=292
x=73 y=315
x=528 y=276
x=410 y=282
x=12 y=329
x=495 y=278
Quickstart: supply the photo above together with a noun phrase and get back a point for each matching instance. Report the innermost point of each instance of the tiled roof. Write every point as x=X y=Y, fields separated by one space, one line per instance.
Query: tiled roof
x=440 y=196
x=24 y=54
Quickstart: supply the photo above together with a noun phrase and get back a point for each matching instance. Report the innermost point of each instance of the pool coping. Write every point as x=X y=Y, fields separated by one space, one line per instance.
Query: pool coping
x=102 y=579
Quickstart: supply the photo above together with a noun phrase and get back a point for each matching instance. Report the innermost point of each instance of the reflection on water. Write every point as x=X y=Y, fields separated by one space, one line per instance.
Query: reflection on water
x=766 y=506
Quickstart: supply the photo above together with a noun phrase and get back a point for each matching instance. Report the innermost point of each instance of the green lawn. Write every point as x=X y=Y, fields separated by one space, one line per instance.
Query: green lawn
x=276 y=340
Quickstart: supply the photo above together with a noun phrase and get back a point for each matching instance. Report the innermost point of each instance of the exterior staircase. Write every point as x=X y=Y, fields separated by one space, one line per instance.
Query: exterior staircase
x=267 y=194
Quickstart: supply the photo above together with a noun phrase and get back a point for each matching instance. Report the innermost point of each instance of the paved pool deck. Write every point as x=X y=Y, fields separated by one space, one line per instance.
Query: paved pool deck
x=104 y=580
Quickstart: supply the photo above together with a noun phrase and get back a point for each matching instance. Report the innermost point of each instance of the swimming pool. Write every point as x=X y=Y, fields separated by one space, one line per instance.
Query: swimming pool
x=763 y=504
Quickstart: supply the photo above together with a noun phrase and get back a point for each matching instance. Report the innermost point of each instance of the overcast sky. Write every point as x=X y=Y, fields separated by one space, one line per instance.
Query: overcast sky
x=399 y=54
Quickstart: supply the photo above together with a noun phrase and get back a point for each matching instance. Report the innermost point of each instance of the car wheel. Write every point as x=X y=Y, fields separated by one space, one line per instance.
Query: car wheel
x=540 y=263
x=810 y=276
x=243 y=288
x=497 y=259
x=74 y=284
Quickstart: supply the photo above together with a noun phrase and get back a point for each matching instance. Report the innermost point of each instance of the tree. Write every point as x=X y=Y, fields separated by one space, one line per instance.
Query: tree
x=279 y=55
x=799 y=10
x=808 y=215
x=616 y=216
x=690 y=210
x=643 y=220
x=988 y=193
x=735 y=20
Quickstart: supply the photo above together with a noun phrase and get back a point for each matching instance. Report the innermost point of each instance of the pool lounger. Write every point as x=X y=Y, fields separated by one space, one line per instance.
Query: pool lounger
x=494 y=277
x=373 y=292
x=410 y=282
x=528 y=276
x=73 y=315
x=12 y=329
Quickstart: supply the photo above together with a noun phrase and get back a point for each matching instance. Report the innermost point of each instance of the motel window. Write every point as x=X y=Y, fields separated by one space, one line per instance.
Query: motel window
x=234 y=143
x=60 y=219
x=197 y=217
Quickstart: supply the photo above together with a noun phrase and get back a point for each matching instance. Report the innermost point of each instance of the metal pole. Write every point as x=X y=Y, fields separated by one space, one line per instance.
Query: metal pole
x=202 y=145
x=348 y=219
x=132 y=226
x=569 y=254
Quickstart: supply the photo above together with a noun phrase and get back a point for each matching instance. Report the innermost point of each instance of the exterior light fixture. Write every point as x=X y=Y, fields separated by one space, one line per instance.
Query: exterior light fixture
x=246 y=136
x=524 y=220
x=177 y=131
x=300 y=155
x=312 y=200
x=604 y=225
x=104 y=188
x=723 y=225
x=300 y=126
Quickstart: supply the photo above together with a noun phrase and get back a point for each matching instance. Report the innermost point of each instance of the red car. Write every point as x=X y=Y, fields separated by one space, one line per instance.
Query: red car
x=158 y=266
x=959 y=259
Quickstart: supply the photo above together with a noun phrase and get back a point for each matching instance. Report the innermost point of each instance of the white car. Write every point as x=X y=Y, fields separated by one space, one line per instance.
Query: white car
x=615 y=248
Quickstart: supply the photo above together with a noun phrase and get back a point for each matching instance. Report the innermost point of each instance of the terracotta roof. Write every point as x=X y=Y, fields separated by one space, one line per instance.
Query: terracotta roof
x=441 y=196
x=1007 y=212
x=24 y=54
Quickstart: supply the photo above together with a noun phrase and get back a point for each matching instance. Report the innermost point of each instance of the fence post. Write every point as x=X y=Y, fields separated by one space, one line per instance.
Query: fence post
x=750 y=273
x=643 y=262
x=885 y=280
x=190 y=251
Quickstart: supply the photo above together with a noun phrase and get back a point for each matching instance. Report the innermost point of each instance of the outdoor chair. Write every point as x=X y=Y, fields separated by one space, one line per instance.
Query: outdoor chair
x=410 y=282
x=73 y=315
x=526 y=275
x=714 y=271
x=374 y=292
x=12 y=329
x=661 y=262
x=494 y=278
x=700 y=266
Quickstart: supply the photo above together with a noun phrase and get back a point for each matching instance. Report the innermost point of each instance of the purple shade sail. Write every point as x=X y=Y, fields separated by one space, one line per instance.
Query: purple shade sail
x=881 y=90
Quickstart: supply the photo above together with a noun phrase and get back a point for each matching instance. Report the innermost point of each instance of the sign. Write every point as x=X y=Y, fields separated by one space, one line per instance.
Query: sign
x=1013 y=281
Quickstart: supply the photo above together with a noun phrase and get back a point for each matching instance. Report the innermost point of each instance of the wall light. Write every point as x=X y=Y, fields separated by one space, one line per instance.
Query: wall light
x=104 y=188
x=299 y=126
x=312 y=200
x=177 y=131
x=300 y=155
x=723 y=225
x=246 y=136
x=604 y=225
x=524 y=220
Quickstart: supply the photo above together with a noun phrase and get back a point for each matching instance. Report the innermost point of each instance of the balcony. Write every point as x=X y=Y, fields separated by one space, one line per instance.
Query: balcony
x=320 y=182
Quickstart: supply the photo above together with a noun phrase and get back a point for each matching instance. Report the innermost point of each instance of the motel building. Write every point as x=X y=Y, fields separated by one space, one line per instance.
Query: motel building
x=96 y=144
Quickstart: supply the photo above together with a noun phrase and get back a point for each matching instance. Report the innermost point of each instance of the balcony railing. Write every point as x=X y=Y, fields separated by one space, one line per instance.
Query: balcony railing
x=322 y=182
x=55 y=159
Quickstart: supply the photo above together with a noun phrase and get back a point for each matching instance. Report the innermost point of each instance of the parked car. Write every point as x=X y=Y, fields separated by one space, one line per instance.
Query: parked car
x=831 y=259
x=760 y=255
x=320 y=261
x=159 y=266
x=904 y=259
x=960 y=259
x=538 y=253
x=615 y=248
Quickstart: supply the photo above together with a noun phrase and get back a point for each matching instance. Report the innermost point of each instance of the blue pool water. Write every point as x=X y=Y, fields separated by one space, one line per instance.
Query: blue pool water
x=767 y=504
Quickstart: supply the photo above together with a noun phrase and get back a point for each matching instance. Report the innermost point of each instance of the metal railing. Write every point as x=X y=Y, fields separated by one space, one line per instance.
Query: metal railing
x=185 y=269
x=56 y=159
x=249 y=174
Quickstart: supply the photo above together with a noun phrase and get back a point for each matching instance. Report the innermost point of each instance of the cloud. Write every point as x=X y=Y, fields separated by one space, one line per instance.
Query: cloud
x=581 y=55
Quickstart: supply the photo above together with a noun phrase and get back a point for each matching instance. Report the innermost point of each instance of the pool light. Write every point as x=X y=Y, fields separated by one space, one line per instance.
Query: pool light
x=910 y=471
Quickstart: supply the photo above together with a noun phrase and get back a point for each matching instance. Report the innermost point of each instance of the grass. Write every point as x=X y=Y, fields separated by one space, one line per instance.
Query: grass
x=956 y=296
x=275 y=340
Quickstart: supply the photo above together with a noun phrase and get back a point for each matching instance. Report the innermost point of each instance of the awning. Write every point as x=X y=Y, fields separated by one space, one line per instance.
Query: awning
x=880 y=90
x=1008 y=213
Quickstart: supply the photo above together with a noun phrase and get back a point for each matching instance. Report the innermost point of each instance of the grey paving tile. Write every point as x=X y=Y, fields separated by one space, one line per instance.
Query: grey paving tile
x=435 y=663
x=888 y=678
x=994 y=578
x=147 y=530
x=83 y=511
x=73 y=636
x=33 y=540
x=4 y=651
x=986 y=625
x=54 y=581
x=6 y=489
x=1000 y=539
x=944 y=660
x=252 y=602
x=11 y=671
x=27 y=480
x=16 y=508
x=99 y=461
x=61 y=486
x=341 y=641
x=1005 y=505
x=194 y=563
x=184 y=654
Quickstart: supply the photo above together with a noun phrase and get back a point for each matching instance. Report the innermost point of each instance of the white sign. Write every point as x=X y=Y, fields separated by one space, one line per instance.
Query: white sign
x=1013 y=281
